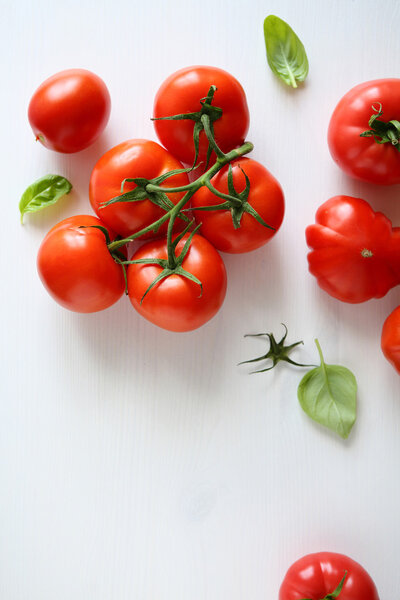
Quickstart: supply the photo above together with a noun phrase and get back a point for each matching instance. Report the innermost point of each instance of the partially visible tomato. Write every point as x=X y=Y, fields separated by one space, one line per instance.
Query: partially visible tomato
x=133 y=158
x=176 y=303
x=390 y=339
x=316 y=576
x=265 y=196
x=181 y=93
x=363 y=157
x=69 y=110
x=77 y=269
x=354 y=251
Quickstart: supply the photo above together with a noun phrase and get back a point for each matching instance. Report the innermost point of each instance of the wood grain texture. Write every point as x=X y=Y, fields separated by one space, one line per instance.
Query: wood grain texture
x=136 y=463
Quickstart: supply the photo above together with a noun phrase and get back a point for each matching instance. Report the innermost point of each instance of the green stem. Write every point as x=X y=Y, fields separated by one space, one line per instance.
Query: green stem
x=321 y=357
x=190 y=189
x=206 y=121
x=173 y=215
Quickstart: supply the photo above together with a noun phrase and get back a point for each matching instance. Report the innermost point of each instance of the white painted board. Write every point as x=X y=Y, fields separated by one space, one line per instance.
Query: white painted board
x=136 y=463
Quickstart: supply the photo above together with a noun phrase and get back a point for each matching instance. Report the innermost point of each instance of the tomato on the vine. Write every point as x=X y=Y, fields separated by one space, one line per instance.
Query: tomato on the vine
x=354 y=251
x=69 y=110
x=132 y=159
x=317 y=576
x=176 y=303
x=363 y=157
x=77 y=269
x=181 y=93
x=390 y=339
x=265 y=196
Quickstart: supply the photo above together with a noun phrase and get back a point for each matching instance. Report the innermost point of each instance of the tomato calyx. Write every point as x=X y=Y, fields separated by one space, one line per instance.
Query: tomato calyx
x=149 y=189
x=236 y=202
x=366 y=253
x=383 y=131
x=335 y=594
x=203 y=120
x=277 y=352
x=173 y=264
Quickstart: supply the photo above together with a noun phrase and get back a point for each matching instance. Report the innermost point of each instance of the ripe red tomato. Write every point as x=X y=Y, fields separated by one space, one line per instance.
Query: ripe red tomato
x=318 y=575
x=175 y=303
x=181 y=92
x=69 y=110
x=363 y=157
x=390 y=340
x=133 y=158
x=355 y=251
x=265 y=196
x=76 y=267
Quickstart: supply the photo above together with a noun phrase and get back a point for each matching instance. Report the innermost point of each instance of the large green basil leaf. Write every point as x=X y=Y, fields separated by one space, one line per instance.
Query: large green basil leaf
x=328 y=394
x=285 y=53
x=43 y=192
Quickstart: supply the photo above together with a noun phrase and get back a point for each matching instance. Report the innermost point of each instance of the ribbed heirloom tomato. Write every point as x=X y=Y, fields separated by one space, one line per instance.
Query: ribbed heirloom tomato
x=181 y=93
x=69 y=110
x=133 y=158
x=390 y=339
x=76 y=267
x=355 y=252
x=363 y=157
x=265 y=197
x=317 y=576
x=176 y=303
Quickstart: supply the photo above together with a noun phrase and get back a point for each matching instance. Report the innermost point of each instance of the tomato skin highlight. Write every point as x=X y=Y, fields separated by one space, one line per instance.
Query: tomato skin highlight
x=316 y=575
x=362 y=157
x=176 y=303
x=354 y=251
x=133 y=158
x=265 y=196
x=390 y=339
x=76 y=267
x=69 y=110
x=181 y=92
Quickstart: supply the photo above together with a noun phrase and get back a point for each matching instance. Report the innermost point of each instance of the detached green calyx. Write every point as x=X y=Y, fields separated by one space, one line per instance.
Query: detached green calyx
x=277 y=351
x=203 y=120
x=382 y=131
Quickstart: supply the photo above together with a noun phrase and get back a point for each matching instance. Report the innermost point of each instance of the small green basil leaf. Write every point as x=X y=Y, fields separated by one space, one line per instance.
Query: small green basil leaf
x=285 y=53
x=327 y=394
x=43 y=192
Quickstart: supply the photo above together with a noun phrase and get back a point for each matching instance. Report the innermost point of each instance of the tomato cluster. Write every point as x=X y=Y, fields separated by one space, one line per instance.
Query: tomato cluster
x=355 y=252
x=142 y=191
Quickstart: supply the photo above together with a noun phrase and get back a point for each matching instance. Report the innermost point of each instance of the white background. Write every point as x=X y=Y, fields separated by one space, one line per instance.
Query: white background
x=137 y=463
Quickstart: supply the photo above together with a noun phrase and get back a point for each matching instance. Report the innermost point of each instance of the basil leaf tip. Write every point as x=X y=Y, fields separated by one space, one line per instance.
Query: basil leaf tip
x=285 y=52
x=43 y=192
x=327 y=394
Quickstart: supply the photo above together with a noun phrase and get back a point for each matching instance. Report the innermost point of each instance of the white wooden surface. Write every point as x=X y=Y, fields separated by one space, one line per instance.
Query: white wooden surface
x=136 y=463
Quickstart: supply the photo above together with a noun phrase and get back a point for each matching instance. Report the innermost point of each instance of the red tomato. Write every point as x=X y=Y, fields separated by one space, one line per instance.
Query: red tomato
x=76 y=267
x=355 y=251
x=265 y=196
x=315 y=576
x=176 y=303
x=181 y=92
x=390 y=340
x=133 y=158
x=69 y=110
x=363 y=157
